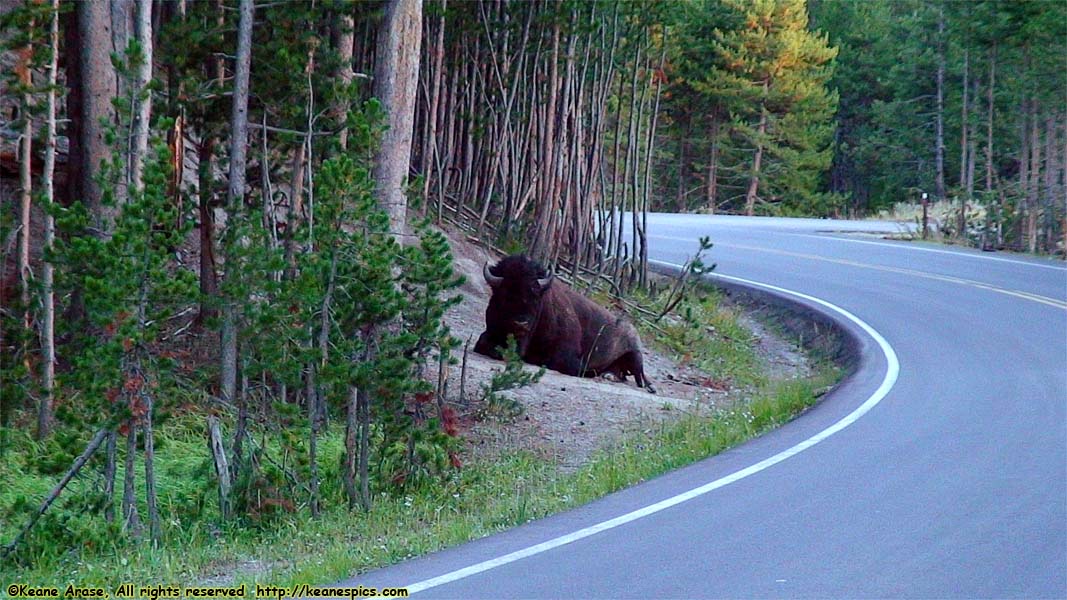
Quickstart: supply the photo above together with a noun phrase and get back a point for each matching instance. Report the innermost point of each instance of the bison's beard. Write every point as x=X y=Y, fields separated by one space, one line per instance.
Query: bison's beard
x=492 y=343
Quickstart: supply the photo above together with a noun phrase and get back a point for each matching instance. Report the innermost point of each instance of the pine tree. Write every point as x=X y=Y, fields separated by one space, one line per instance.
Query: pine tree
x=780 y=69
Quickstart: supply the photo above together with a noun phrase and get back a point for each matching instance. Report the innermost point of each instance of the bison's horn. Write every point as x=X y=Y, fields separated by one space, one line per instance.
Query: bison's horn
x=491 y=279
x=545 y=282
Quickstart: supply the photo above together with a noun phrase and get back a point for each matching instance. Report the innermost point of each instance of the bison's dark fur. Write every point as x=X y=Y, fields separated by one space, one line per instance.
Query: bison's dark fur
x=554 y=326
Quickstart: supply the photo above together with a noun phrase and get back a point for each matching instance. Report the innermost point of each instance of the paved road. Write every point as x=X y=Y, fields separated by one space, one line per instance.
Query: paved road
x=940 y=468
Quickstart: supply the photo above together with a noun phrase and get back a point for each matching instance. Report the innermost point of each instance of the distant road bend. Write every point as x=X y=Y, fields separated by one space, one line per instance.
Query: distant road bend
x=938 y=469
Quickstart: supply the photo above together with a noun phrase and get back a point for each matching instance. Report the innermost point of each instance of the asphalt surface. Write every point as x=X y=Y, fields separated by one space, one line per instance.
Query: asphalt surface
x=939 y=469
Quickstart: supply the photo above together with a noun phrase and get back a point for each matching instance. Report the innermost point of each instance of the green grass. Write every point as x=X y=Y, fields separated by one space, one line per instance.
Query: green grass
x=484 y=497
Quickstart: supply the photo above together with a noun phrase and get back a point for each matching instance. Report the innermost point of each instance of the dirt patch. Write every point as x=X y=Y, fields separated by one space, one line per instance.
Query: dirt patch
x=565 y=419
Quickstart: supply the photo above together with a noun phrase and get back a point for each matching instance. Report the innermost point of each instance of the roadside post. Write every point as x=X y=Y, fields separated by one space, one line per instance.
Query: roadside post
x=926 y=204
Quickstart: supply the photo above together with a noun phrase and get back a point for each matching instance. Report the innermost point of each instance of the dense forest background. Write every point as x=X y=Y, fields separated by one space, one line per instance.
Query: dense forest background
x=226 y=207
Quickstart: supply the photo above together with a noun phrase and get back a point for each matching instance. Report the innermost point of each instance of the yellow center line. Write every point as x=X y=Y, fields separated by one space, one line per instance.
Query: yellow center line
x=946 y=278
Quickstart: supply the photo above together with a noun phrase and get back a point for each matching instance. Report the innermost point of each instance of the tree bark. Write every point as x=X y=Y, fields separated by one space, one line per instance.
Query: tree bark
x=97 y=85
x=110 y=467
x=48 y=301
x=753 y=185
x=395 y=85
x=712 y=184
x=990 y=98
x=961 y=221
x=209 y=283
x=345 y=45
x=964 y=119
x=222 y=469
x=236 y=190
x=939 y=142
x=143 y=104
x=131 y=523
x=431 y=151
x=1032 y=187
x=25 y=181
x=1049 y=205
x=351 y=436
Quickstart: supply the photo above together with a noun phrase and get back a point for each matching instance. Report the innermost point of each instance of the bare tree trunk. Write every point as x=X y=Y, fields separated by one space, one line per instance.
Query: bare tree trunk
x=939 y=149
x=682 y=166
x=395 y=85
x=989 y=118
x=48 y=300
x=1032 y=187
x=351 y=435
x=110 y=466
x=964 y=119
x=345 y=44
x=97 y=86
x=753 y=184
x=131 y=523
x=961 y=221
x=1063 y=184
x=236 y=191
x=649 y=150
x=209 y=283
x=154 y=528
x=431 y=151
x=294 y=214
x=1024 y=169
x=143 y=105
x=25 y=181
x=712 y=184
x=222 y=469
x=1049 y=205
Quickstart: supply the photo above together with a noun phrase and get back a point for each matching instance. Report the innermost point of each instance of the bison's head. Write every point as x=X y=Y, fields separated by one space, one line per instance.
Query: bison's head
x=519 y=286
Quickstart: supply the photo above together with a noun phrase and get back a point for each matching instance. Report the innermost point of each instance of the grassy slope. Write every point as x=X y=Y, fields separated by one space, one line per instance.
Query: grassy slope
x=478 y=500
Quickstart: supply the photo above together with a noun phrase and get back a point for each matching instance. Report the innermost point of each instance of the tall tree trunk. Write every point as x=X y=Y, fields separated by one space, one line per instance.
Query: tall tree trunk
x=236 y=191
x=351 y=436
x=154 y=529
x=753 y=184
x=1063 y=187
x=1033 y=189
x=96 y=86
x=939 y=148
x=990 y=98
x=961 y=221
x=396 y=75
x=131 y=523
x=48 y=301
x=110 y=467
x=143 y=106
x=1024 y=173
x=345 y=44
x=682 y=166
x=25 y=181
x=964 y=120
x=430 y=154
x=363 y=416
x=712 y=184
x=1048 y=208
x=209 y=283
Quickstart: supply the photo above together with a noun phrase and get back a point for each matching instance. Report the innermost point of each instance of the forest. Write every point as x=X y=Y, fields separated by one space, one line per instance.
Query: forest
x=231 y=208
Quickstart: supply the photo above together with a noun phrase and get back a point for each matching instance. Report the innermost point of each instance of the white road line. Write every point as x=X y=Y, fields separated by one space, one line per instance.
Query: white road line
x=908 y=246
x=892 y=371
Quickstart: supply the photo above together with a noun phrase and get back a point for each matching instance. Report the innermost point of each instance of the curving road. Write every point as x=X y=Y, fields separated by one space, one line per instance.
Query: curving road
x=939 y=469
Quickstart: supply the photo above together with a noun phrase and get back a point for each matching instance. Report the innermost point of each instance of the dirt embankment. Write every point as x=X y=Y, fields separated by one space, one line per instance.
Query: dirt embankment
x=565 y=419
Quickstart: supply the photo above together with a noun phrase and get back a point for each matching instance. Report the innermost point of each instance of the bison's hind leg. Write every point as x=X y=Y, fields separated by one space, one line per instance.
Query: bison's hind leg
x=632 y=363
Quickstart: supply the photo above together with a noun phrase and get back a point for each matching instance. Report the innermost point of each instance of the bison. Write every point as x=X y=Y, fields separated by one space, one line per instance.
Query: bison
x=554 y=326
